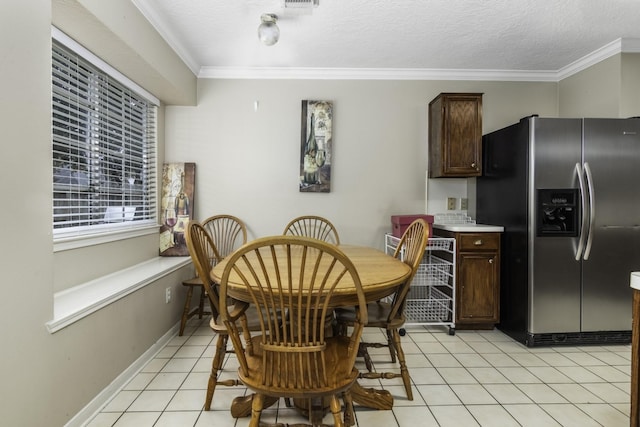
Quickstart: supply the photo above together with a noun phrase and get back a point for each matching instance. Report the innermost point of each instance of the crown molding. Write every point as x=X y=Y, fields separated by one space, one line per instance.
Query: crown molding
x=591 y=59
x=606 y=51
x=372 y=74
x=613 y=48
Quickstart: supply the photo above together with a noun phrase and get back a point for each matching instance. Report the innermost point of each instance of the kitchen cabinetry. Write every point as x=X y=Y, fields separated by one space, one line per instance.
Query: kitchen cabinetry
x=455 y=135
x=477 y=298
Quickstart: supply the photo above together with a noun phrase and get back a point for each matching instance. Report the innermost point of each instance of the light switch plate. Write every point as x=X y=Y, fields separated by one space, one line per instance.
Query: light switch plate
x=464 y=204
x=451 y=203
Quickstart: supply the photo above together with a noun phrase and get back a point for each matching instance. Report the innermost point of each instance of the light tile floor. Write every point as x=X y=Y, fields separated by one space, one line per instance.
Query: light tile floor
x=474 y=378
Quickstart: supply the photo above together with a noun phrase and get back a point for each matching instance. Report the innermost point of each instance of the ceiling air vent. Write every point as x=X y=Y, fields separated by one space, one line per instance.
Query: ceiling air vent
x=301 y=4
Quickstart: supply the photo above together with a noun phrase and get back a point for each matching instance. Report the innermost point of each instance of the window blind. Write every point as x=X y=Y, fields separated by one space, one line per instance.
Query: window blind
x=104 y=149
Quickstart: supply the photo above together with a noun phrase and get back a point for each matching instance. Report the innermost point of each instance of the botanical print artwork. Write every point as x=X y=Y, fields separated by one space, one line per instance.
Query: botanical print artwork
x=315 y=147
x=177 y=207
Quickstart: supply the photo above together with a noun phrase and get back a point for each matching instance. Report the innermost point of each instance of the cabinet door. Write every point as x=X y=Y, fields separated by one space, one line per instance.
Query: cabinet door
x=477 y=290
x=463 y=133
x=455 y=135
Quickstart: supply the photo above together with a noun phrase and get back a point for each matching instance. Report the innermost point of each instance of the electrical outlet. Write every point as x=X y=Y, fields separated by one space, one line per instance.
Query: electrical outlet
x=451 y=203
x=464 y=204
x=167 y=295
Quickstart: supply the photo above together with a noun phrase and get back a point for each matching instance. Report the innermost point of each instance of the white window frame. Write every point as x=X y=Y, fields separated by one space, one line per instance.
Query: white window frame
x=79 y=236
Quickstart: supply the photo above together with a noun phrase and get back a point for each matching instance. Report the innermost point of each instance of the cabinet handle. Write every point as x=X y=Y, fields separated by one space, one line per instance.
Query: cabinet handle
x=473 y=165
x=478 y=242
x=491 y=261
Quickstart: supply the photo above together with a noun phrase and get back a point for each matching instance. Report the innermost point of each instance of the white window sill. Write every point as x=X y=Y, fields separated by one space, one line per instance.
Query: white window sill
x=71 y=305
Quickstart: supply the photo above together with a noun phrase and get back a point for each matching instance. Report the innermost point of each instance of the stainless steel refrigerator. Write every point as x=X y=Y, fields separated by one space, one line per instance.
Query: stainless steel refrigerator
x=567 y=192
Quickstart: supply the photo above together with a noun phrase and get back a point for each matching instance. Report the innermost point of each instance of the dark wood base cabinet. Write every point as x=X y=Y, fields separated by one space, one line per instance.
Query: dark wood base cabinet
x=477 y=279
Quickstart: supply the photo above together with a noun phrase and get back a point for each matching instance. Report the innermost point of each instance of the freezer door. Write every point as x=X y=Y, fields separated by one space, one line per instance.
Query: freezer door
x=556 y=147
x=612 y=155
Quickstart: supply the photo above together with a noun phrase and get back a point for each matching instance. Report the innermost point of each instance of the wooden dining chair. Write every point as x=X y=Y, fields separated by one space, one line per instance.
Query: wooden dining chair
x=200 y=246
x=313 y=226
x=295 y=358
x=228 y=233
x=389 y=314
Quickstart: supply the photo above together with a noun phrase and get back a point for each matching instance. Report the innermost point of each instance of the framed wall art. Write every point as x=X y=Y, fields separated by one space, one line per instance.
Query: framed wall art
x=316 y=146
x=178 y=184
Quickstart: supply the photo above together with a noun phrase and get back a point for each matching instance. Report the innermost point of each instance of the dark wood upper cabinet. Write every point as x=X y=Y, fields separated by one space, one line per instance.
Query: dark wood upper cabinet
x=455 y=135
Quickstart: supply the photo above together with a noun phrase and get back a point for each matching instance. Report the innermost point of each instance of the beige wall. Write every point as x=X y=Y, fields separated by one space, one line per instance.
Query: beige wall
x=88 y=355
x=630 y=85
x=594 y=92
x=47 y=379
x=26 y=255
x=610 y=88
x=247 y=162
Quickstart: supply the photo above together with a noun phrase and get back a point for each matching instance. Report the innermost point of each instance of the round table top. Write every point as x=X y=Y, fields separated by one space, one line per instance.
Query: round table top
x=379 y=274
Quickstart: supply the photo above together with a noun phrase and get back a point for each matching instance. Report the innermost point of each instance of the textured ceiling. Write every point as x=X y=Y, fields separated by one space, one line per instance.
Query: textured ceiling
x=533 y=36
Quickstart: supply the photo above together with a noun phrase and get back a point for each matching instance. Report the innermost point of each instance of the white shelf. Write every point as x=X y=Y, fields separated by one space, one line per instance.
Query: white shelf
x=76 y=303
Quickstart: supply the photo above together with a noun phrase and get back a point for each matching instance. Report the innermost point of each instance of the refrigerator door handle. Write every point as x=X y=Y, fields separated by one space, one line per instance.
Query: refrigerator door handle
x=583 y=198
x=592 y=210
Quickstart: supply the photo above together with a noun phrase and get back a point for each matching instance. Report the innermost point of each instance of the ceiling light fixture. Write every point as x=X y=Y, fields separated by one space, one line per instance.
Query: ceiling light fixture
x=268 y=31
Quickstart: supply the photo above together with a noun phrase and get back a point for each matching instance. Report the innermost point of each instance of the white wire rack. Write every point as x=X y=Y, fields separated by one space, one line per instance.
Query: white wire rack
x=431 y=298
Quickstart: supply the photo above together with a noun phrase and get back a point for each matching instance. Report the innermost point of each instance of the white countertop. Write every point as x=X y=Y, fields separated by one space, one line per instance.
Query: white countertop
x=473 y=228
x=635 y=280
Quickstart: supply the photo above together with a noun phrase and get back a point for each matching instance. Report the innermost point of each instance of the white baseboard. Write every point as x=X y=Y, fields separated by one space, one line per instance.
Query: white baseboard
x=102 y=399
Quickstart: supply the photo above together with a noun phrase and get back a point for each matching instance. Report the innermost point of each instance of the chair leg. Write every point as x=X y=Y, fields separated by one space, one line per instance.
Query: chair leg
x=349 y=414
x=404 y=371
x=363 y=351
x=392 y=350
x=334 y=405
x=257 y=405
x=216 y=367
x=214 y=312
x=201 y=303
x=185 y=312
x=340 y=329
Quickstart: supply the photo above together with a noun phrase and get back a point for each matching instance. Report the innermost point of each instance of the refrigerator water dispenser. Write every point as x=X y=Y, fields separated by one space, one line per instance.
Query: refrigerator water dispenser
x=557 y=212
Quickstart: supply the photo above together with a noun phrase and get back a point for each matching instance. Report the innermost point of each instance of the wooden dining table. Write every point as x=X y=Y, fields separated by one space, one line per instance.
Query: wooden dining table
x=379 y=274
